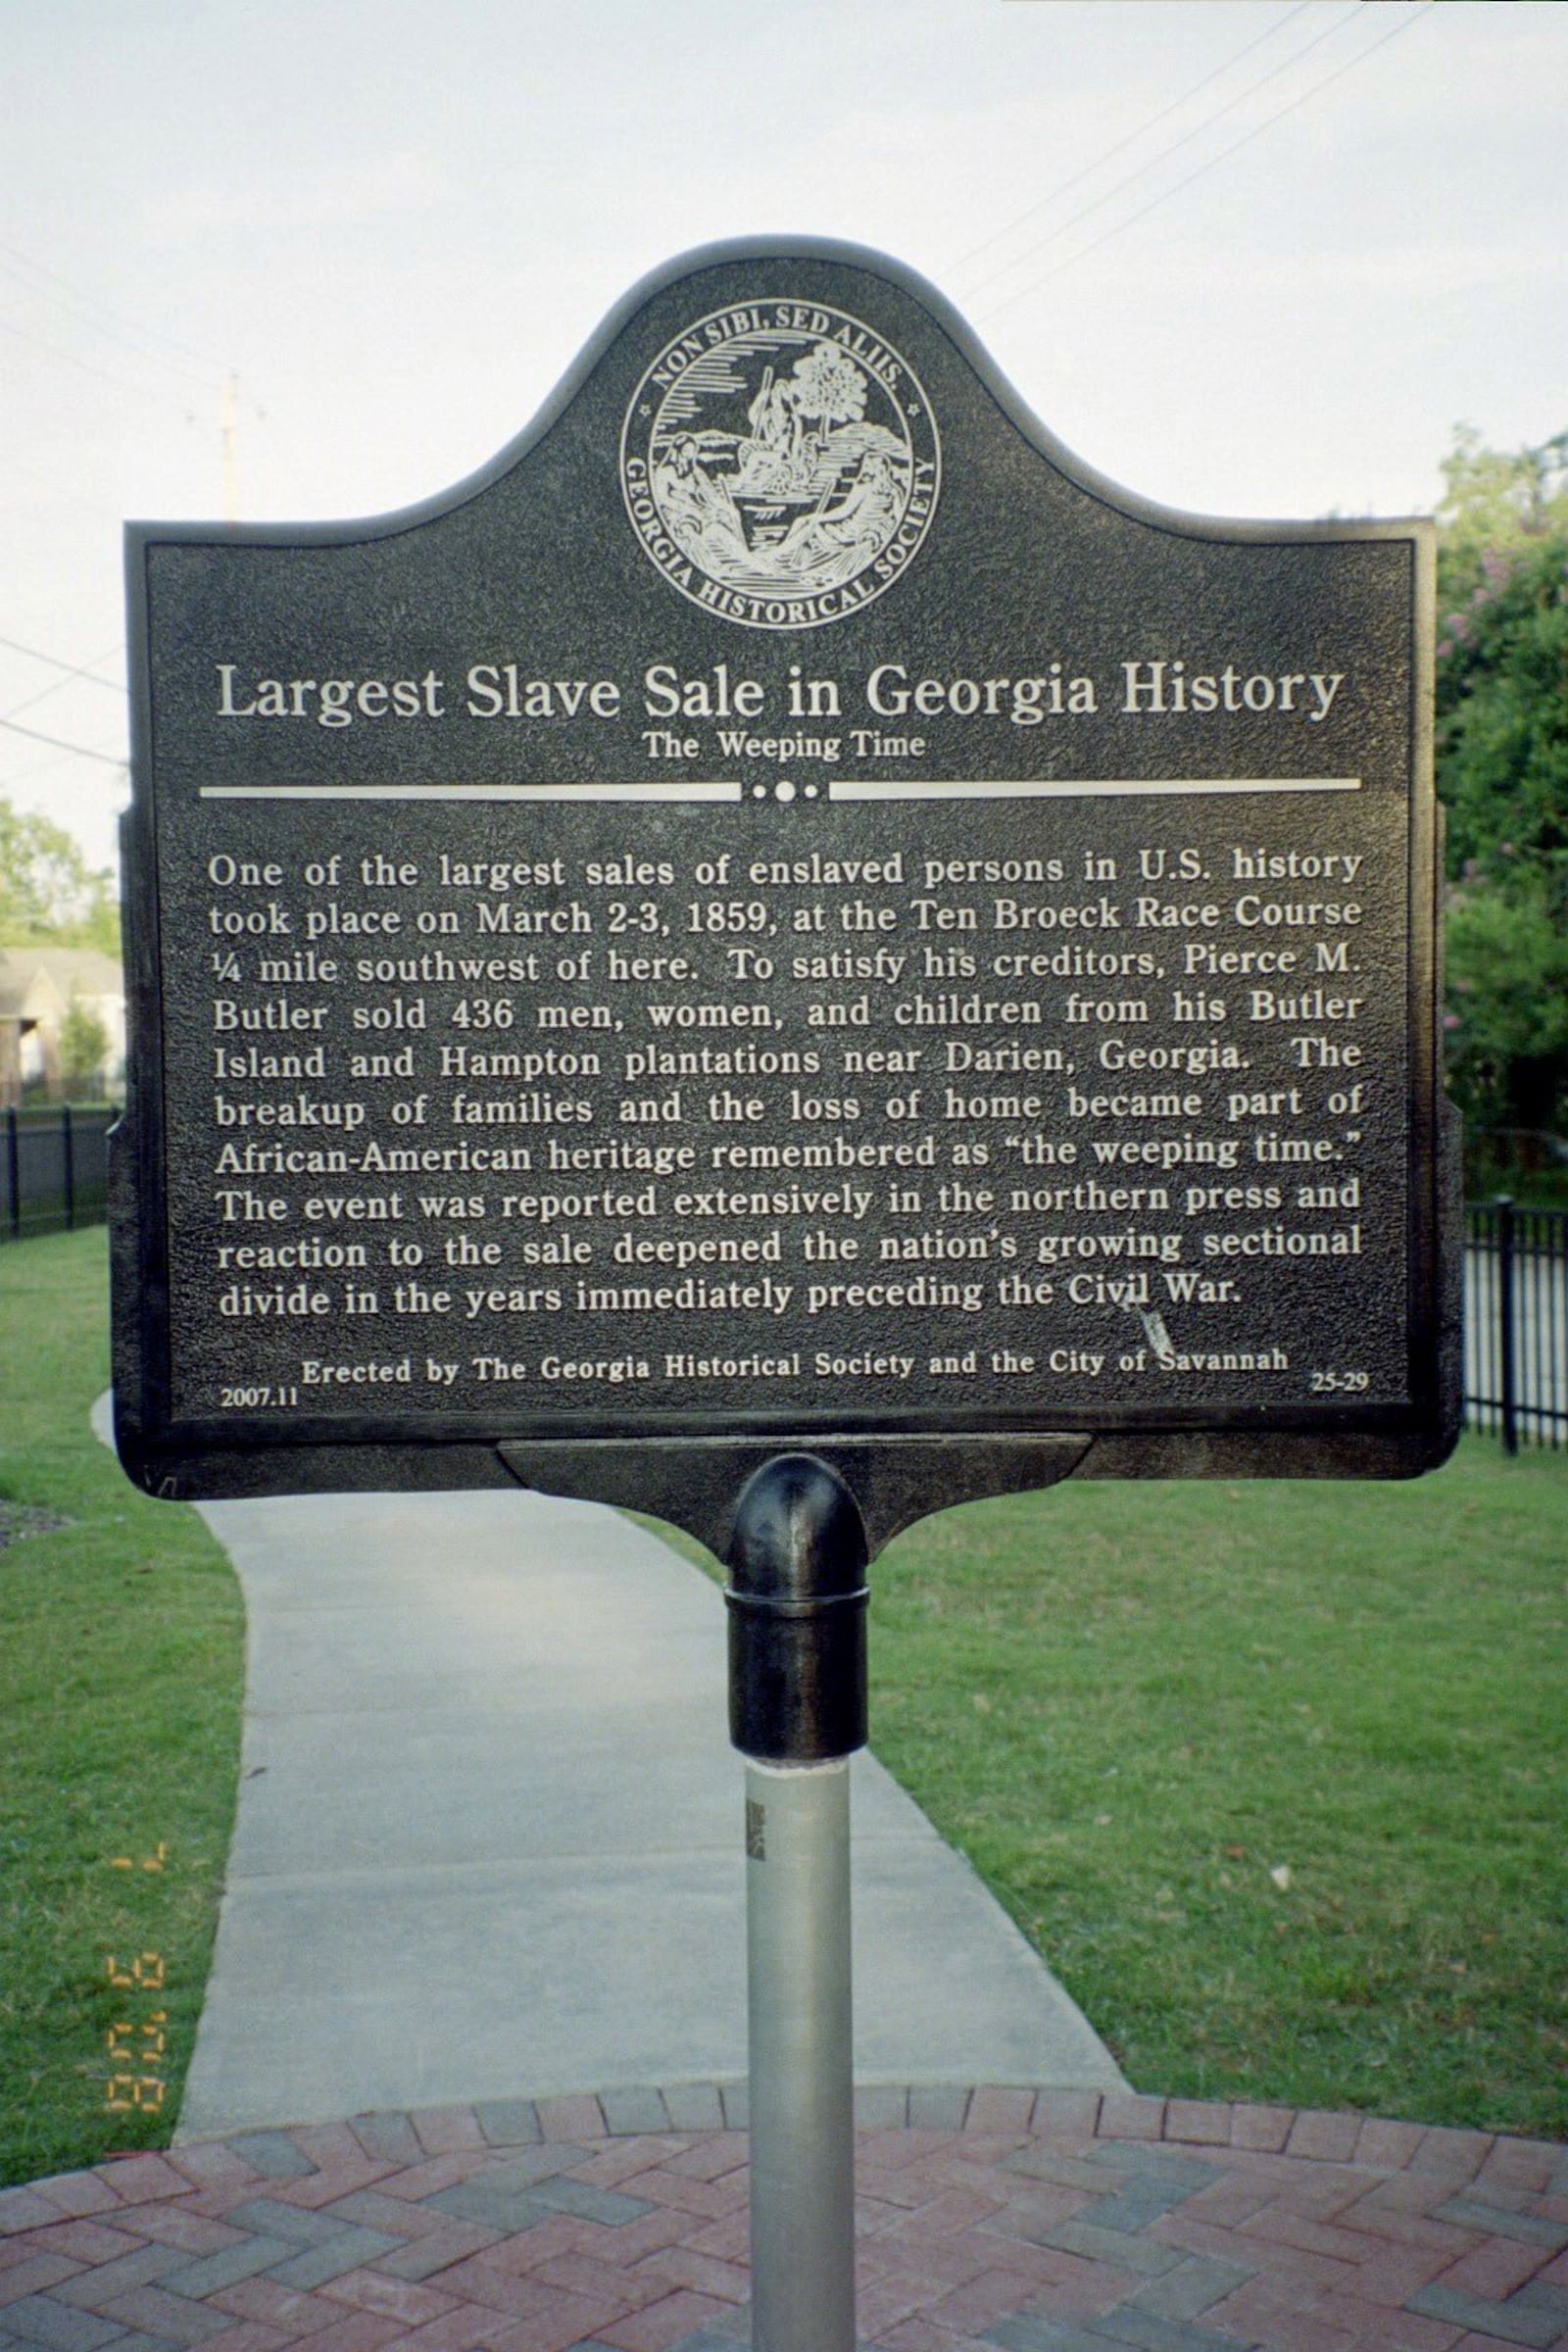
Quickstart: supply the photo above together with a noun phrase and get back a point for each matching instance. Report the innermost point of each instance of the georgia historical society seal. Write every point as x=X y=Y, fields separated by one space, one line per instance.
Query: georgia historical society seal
x=780 y=463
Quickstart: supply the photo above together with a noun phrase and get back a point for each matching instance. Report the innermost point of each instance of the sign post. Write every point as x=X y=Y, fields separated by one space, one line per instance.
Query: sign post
x=797 y=1599
x=786 y=916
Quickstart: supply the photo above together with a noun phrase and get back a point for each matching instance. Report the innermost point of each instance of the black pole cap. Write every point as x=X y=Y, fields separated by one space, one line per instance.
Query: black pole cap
x=797 y=1601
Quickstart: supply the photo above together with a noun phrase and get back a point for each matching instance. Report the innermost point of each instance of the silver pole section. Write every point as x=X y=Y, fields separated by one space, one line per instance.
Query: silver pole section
x=797 y=1696
x=801 y=2046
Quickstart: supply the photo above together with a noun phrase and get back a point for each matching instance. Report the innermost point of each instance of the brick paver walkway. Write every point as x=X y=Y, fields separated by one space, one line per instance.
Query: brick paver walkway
x=1048 y=2222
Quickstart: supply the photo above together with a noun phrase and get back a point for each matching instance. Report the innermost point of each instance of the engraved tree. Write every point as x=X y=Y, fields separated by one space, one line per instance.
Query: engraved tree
x=827 y=385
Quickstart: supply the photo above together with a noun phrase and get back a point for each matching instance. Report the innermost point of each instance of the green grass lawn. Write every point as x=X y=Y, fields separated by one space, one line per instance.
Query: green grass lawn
x=1273 y=1774
x=120 y=1660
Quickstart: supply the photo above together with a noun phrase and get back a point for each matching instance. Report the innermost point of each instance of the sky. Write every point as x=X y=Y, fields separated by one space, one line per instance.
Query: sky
x=325 y=258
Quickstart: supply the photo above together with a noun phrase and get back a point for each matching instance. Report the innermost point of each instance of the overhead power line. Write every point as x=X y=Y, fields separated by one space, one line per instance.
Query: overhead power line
x=1141 y=171
x=109 y=759
x=142 y=339
x=61 y=684
x=121 y=383
x=1063 y=187
x=1413 y=18
x=71 y=669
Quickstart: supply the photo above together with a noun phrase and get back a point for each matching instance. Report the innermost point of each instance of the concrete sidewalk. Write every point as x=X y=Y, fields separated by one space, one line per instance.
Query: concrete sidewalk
x=489 y=1835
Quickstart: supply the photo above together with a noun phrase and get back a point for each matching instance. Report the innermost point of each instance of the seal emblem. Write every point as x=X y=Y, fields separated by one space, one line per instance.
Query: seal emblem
x=780 y=463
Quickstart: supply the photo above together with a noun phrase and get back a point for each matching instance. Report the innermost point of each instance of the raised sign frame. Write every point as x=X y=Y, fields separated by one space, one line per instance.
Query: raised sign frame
x=931 y=578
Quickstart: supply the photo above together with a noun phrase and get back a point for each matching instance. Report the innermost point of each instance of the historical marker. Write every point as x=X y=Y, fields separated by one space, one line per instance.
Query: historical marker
x=785 y=912
x=787 y=955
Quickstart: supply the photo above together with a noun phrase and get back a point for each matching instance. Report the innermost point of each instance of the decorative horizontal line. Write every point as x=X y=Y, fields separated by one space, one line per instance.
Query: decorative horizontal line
x=668 y=789
x=1072 y=788
x=665 y=789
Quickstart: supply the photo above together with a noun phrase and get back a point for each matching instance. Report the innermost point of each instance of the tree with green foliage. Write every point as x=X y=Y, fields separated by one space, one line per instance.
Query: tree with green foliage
x=83 y=1051
x=49 y=895
x=1502 y=772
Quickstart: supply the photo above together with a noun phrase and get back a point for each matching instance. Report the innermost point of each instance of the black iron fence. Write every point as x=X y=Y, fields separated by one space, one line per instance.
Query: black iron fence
x=54 y=1168
x=1517 y=1323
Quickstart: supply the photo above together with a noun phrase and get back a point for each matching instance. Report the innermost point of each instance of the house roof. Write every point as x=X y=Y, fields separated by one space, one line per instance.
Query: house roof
x=29 y=977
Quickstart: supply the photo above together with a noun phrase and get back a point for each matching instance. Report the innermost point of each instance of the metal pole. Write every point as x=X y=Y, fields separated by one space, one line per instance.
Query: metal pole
x=797 y=1601
x=14 y=1173
x=799 y=2022
x=69 y=1157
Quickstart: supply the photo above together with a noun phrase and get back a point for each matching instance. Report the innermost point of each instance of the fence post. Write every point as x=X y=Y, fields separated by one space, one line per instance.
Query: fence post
x=67 y=1153
x=14 y=1173
x=1505 y=1331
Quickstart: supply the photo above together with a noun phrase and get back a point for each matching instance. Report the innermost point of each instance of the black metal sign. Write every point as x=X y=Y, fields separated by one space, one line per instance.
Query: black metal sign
x=784 y=912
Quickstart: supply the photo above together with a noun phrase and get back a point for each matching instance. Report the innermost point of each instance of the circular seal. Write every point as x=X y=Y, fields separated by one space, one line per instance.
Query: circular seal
x=780 y=463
